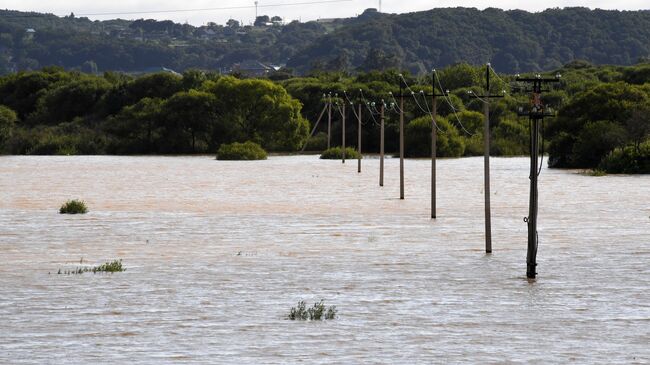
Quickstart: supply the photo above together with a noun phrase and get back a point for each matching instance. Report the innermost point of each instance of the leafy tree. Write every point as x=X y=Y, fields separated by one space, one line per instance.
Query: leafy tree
x=189 y=113
x=418 y=138
x=260 y=111
x=377 y=59
x=595 y=141
x=459 y=76
x=8 y=119
x=69 y=100
x=261 y=20
x=138 y=127
x=638 y=126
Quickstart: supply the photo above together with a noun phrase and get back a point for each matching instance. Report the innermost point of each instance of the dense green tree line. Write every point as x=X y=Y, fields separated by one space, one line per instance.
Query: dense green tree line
x=514 y=41
x=58 y=112
x=603 y=113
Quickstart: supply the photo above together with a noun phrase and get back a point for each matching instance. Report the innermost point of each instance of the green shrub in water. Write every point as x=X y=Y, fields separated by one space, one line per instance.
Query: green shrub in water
x=336 y=153
x=110 y=267
x=74 y=207
x=316 y=313
x=241 y=151
x=628 y=160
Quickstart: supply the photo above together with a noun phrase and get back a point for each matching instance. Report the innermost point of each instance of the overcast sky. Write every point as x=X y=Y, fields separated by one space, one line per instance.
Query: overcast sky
x=303 y=12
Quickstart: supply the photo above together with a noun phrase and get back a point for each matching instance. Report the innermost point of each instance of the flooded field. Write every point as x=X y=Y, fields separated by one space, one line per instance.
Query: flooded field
x=218 y=252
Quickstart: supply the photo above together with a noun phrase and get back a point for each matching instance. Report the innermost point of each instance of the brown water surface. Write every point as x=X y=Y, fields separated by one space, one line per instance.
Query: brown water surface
x=217 y=253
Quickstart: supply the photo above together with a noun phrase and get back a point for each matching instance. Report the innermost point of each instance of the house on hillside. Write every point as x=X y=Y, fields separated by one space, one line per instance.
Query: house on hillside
x=29 y=34
x=155 y=69
x=252 y=68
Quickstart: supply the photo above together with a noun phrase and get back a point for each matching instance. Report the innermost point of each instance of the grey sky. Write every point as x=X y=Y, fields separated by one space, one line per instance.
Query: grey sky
x=302 y=12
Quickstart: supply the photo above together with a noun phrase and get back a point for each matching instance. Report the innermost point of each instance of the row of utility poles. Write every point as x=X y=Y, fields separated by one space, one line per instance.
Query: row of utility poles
x=536 y=113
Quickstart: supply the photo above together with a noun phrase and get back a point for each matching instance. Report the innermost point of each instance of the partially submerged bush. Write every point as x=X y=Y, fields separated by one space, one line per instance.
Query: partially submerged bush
x=109 y=267
x=316 y=313
x=241 y=151
x=336 y=153
x=595 y=172
x=74 y=206
x=317 y=142
x=628 y=160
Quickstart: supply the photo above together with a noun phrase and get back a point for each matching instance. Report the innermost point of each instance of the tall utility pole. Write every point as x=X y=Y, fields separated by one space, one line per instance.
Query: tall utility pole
x=401 y=137
x=434 y=140
x=343 y=136
x=255 y=10
x=401 y=143
x=535 y=115
x=486 y=157
x=329 y=121
x=381 y=145
x=359 y=140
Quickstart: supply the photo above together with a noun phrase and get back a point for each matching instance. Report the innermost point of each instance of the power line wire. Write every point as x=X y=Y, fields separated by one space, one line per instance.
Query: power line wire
x=453 y=109
x=194 y=10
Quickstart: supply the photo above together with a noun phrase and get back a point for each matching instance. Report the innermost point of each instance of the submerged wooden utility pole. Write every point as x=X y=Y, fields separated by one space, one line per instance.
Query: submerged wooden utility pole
x=401 y=135
x=401 y=140
x=329 y=121
x=535 y=115
x=486 y=156
x=434 y=141
x=381 y=146
x=359 y=141
x=343 y=136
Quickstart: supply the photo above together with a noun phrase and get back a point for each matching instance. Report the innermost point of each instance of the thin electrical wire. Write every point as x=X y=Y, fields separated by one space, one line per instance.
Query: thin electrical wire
x=498 y=77
x=363 y=99
x=351 y=103
x=478 y=97
x=338 y=107
x=412 y=94
x=453 y=109
x=216 y=8
x=399 y=110
x=431 y=114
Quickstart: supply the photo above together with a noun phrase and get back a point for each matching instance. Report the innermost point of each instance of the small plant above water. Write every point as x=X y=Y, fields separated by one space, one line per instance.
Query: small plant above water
x=241 y=151
x=109 y=267
x=74 y=206
x=316 y=313
x=336 y=153
x=596 y=172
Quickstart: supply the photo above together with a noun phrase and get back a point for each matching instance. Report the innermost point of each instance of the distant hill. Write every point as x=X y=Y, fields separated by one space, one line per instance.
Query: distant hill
x=514 y=41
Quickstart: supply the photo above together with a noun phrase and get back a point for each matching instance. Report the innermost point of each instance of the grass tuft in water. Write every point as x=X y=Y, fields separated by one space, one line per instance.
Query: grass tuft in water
x=316 y=313
x=596 y=172
x=74 y=206
x=110 y=267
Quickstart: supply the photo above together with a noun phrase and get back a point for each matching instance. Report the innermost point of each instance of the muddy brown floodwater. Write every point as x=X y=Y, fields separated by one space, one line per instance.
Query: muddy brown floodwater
x=217 y=253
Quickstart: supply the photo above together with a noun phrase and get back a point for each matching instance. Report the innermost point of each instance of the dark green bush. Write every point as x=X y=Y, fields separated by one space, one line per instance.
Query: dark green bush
x=418 y=139
x=510 y=138
x=628 y=160
x=74 y=206
x=595 y=141
x=317 y=142
x=241 y=151
x=336 y=153
x=316 y=313
x=8 y=119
